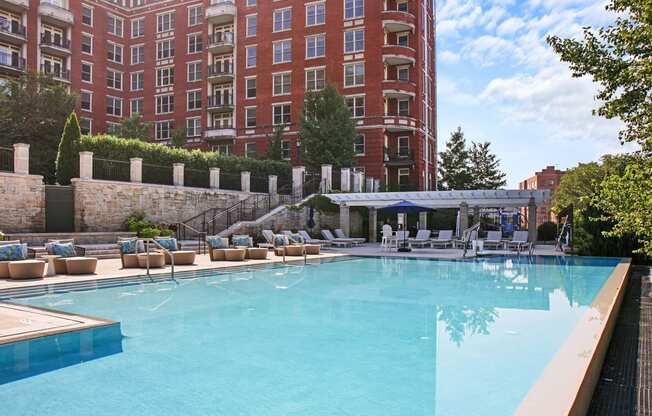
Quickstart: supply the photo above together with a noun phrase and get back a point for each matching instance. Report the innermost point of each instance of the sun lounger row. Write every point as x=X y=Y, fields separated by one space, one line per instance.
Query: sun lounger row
x=494 y=240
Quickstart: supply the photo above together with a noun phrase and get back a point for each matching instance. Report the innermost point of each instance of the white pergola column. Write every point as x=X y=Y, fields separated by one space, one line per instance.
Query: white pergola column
x=245 y=181
x=345 y=182
x=214 y=178
x=373 y=224
x=464 y=216
x=345 y=219
x=532 y=221
x=85 y=165
x=423 y=220
x=177 y=174
x=21 y=158
x=136 y=169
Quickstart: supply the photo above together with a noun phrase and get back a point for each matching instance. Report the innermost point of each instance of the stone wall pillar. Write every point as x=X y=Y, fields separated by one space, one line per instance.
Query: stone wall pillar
x=273 y=184
x=297 y=181
x=345 y=182
x=245 y=181
x=464 y=217
x=177 y=174
x=532 y=221
x=423 y=220
x=136 y=169
x=357 y=181
x=214 y=178
x=345 y=219
x=85 y=165
x=21 y=158
x=326 y=178
x=373 y=224
x=369 y=185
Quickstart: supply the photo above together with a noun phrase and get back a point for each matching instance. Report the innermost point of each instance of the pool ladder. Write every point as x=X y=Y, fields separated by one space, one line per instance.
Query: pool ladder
x=147 y=242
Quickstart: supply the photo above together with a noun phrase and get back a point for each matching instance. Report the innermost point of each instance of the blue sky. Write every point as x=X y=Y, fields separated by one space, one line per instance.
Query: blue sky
x=501 y=82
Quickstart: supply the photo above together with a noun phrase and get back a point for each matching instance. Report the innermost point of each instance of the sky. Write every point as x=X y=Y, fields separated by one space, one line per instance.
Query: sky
x=500 y=81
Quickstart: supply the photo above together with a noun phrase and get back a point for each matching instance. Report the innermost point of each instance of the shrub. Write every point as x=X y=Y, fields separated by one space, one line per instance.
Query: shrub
x=67 y=157
x=547 y=231
x=149 y=232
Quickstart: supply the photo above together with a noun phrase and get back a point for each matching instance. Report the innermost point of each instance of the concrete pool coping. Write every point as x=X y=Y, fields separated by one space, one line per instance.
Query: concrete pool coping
x=568 y=381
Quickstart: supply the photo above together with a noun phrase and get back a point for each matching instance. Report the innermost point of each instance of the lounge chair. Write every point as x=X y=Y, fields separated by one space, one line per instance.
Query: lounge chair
x=519 y=242
x=14 y=263
x=340 y=234
x=494 y=240
x=216 y=246
x=310 y=240
x=268 y=235
x=67 y=249
x=338 y=242
x=181 y=257
x=443 y=240
x=466 y=240
x=422 y=239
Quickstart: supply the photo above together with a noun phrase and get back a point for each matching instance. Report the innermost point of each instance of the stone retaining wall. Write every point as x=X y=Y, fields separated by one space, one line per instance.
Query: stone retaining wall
x=22 y=203
x=106 y=205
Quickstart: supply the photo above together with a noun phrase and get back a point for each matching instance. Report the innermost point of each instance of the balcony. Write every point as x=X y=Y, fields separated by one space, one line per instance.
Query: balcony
x=398 y=90
x=220 y=72
x=400 y=157
x=12 y=32
x=398 y=55
x=55 y=12
x=56 y=73
x=11 y=64
x=221 y=12
x=55 y=45
x=18 y=6
x=220 y=42
x=395 y=21
x=400 y=123
x=219 y=133
x=219 y=103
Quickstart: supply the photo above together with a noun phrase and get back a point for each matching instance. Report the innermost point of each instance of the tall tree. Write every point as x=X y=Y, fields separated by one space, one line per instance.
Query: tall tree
x=618 y=59
x=454 y=170
x=33 y=110
x=485 y=168
x=179 y=137
x=135 y=128
x=275 y=144
x=327 y=130
x=67 y=156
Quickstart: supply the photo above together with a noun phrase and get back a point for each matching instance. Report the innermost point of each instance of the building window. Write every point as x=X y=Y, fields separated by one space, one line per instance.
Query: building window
x=354 y=74
x=282 y=19
x=86 y=100
x=315 y=46
x=85 y=125
x=194 y=100
x=282 y=51
x=194 y=71
x=353 y=9
x=87 y=43
x=315 y=14
x=285 y=150
x=403 y=146
x=163 y=129
x=136 y=106
x=354 y=41
x=282 y=83
x=137 y=3
x=281 y=114
x=112 y=128
x=87 y=15
x=114 y=106
x=114 y=52
x=138 y=28
x=404 y=176
x=86 y=72
x=195 y=15
x=358 y=145
x=164 y=76
x=251 y=3
x=164 y=104
x=165 y=22
x=250 y=117
x=315 y=79
x=356 y=106
x=250 y=150
x=403 y=39
x=251 y=87
x=252 y=25
x=137 y=81
x=403 y=73
x=165 y=49
x=114 y=79
x=193 y=127
x=251 y=56
x=115 y=25
x=404 y=108
x=195 y=43
x=137 y=54
x=402 y=5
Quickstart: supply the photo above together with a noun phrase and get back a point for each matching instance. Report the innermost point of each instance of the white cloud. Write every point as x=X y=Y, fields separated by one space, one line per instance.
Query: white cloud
x=510 y=26
x=449 y=57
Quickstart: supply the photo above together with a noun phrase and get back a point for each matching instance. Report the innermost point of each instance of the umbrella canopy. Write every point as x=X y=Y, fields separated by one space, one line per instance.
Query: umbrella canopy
x=405 y=207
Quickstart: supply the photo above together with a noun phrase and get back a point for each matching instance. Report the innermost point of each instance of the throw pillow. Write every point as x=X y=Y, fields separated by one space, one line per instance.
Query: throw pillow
x=128 y=246
x=280 y=240
x=216 y=242
x=64 y=250
x=168 y=243
x=13 y=252
x=241 y=241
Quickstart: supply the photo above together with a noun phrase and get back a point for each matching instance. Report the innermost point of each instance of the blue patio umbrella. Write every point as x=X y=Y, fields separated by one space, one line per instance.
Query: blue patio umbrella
x=405 y=207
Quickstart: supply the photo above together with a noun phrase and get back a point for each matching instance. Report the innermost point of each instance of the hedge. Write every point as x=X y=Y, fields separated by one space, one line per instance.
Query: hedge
x=114 y=148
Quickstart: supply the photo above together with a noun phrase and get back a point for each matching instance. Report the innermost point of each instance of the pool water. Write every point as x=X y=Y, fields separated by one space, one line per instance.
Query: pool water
x=358 y=336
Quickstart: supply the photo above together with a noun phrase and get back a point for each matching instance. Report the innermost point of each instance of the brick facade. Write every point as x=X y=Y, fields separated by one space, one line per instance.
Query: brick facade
x=396 y=94
x=548 y=178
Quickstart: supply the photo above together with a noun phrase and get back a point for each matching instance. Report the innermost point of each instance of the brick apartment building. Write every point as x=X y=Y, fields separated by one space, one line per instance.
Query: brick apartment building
x=548 y=178
x=228 y=71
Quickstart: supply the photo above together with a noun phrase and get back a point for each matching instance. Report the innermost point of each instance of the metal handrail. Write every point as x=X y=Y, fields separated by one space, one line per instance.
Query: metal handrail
x=466 y=237
x=165 y=250
x=201 y=236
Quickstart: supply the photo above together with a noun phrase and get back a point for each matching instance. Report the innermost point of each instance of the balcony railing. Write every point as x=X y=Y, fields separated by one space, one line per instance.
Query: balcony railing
x=218 y=101
x=57 y=73
x=220 y=38
x=12 y=28
x=12 y=60
x=56 y=41
x=219 y=69
x=399 y=156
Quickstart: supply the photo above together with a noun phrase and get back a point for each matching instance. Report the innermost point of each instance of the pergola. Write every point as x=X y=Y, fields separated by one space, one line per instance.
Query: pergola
x=463 y=200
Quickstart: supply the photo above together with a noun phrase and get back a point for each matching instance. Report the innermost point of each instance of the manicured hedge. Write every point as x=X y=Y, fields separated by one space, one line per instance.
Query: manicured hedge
x=110 y=147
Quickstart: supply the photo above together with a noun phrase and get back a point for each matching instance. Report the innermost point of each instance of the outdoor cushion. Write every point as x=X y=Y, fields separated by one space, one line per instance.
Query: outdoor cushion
x=12 y=252
x=168 y=243
x=280 y=240
x=128 y=246
x=241 y=241
x=217 y=242
x=296 y=238
x=64 y=250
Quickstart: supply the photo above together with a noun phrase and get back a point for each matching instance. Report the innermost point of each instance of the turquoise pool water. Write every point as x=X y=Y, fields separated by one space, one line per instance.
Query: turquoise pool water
x=373 y=336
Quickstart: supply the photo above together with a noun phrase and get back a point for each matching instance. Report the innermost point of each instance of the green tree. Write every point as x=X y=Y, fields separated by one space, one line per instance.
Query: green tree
x=454 y=165
x=135 y=128
x=179 y=137
x=327 y=130
x=67 y=156
x=618 y=59
x=485 y=168
x=33 y=110
x=274 y=144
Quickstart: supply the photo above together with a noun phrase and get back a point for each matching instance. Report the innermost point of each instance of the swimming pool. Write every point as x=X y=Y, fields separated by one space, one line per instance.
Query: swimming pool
x=358 y=336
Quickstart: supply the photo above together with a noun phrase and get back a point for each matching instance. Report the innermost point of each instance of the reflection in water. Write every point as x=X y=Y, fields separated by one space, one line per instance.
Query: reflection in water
x=461 y=320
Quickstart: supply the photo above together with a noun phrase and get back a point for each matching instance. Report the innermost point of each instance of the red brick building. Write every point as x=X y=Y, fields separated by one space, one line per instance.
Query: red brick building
x=229 y=71
x=548 y=178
